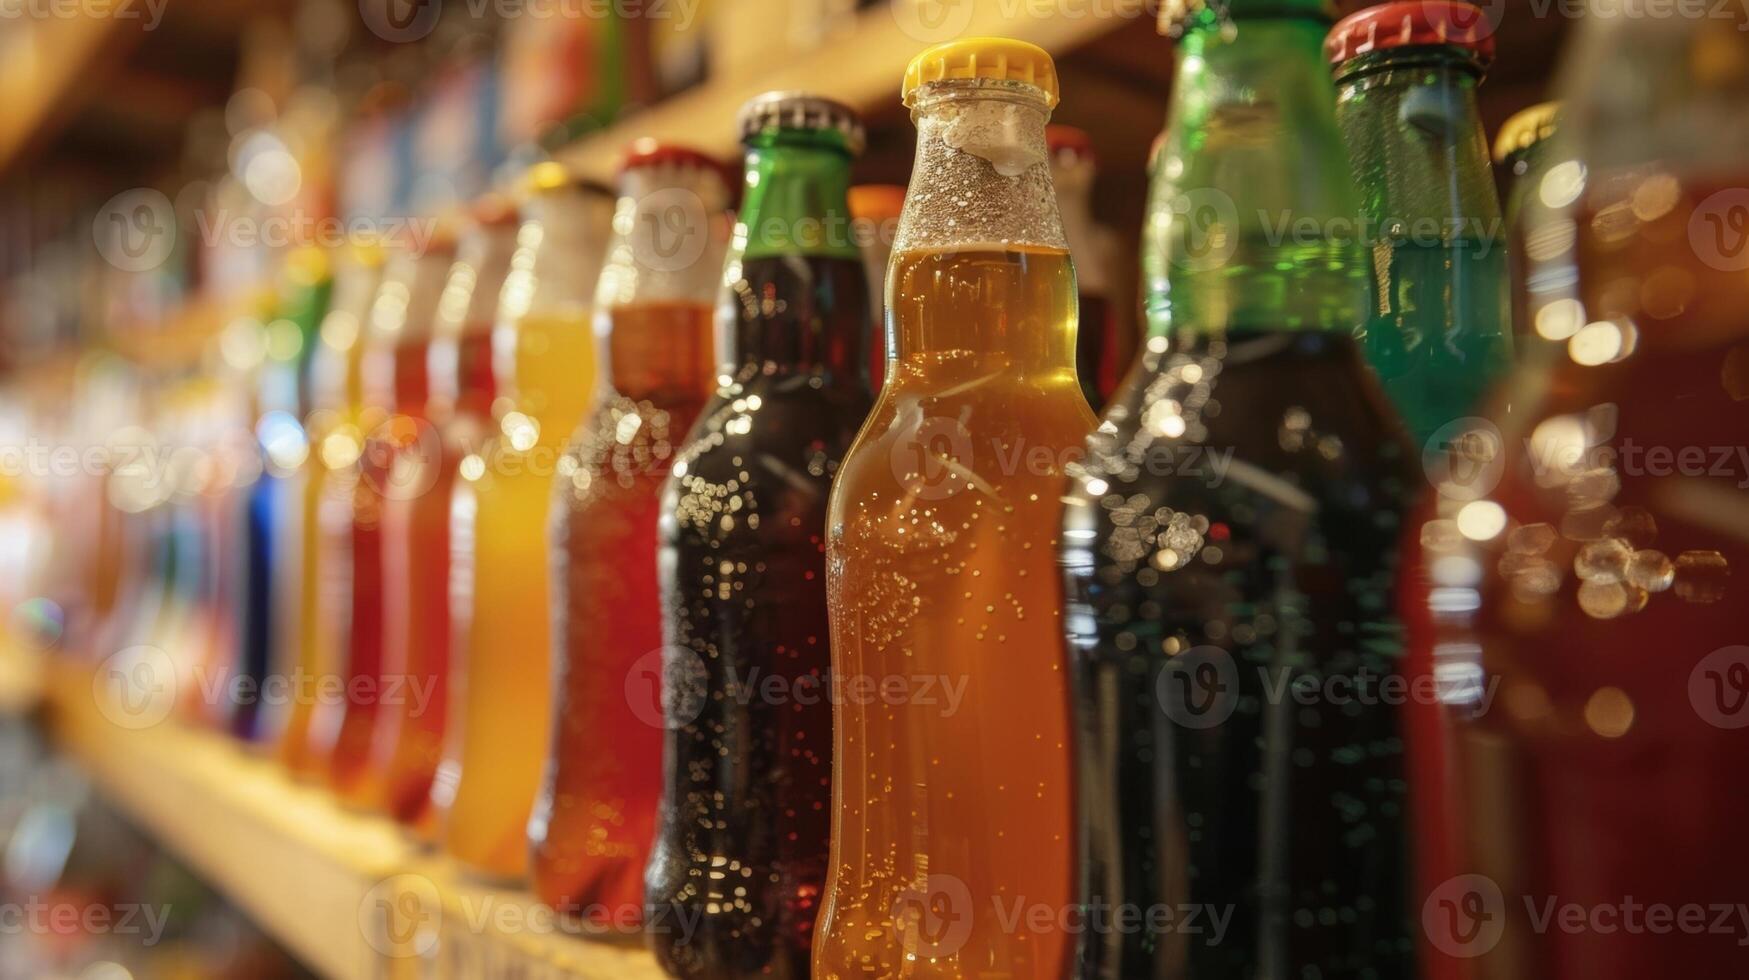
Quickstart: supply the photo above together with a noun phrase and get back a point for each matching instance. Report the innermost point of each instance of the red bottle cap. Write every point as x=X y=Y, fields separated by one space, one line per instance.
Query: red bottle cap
x=1070 y=140
x=647 y=152
x=1413 y=23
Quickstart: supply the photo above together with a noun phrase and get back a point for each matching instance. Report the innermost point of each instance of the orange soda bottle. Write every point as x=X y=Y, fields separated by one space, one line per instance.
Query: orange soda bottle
x=952 y=758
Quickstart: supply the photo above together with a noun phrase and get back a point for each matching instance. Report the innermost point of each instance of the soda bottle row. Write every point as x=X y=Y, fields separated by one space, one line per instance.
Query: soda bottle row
x=1384 y=605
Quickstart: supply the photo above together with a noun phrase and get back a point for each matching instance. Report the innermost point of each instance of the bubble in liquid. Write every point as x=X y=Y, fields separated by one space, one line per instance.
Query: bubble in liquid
x=1701 y=576
x=1651 y=570
x=1634 y=525
x=1440 y=535
x=1537 y=579
x=1607 y=600
x=1532 y=539
x=1603 y=561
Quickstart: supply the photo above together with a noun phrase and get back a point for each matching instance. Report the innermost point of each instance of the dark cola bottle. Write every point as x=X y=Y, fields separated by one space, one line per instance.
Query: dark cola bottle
x=741 y=847
x=1230 y=551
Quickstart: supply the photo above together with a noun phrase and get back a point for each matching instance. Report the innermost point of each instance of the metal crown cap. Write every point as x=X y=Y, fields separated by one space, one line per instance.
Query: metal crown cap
x=1413 y=23
x=801 y=110
x=1526 y=129
x=984 y=57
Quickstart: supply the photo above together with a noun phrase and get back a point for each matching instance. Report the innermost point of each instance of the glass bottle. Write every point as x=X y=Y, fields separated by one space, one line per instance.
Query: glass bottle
x=743 y=564
x=270 y=511
x=321 y=489
x=1525 y=149
x=544 y=362
x=1231 y=550
x=441 y=433
x=1608 y=592
x=1098 y=360
x=951 y=780
x=875 y=208
x=1406 y=77
x=395 y=385
x=590 y=832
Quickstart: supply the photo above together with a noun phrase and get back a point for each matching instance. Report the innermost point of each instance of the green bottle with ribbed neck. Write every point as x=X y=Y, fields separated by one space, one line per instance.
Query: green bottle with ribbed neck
x=1439 y=333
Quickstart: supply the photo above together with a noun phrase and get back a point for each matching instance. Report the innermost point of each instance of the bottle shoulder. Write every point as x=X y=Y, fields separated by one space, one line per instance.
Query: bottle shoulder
x=1273 y=421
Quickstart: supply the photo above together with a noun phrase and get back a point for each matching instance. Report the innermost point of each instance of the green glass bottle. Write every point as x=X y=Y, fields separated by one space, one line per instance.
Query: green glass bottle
x=1230 y=553
x=1406 y=76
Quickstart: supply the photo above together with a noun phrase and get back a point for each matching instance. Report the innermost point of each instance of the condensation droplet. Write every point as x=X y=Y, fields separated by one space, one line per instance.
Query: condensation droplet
x=1651 y=570
x=1603 y=561
x=1701 y=576
x=1532 y=539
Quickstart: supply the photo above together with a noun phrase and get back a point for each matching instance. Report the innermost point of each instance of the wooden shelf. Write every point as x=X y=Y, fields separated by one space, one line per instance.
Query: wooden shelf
x=861 y=67
x=351 y=895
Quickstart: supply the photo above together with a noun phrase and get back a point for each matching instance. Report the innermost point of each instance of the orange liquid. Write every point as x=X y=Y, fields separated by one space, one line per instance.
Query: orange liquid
x=596 y=815
x=498 y=747
x=941 y=564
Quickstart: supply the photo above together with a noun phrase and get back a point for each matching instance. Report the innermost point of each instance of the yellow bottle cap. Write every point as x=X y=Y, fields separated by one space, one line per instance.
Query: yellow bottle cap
x=984 y=57
x=546 y=177
x=1525 y=130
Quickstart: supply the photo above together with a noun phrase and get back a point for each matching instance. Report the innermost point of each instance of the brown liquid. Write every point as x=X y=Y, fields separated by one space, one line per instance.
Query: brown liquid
x=945 y=568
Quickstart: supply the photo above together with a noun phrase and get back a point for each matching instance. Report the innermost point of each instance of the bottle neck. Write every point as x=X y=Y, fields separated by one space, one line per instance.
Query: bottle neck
x=1414 y=135
x=656 y=292
x=792 y=301
x=1253 y=222
x=980 y=277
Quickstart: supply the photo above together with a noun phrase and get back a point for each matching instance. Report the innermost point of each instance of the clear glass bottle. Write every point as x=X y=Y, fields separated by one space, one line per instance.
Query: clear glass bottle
x=1608 y=540
x=942 y=530
x=595 y=816
x=544 y=361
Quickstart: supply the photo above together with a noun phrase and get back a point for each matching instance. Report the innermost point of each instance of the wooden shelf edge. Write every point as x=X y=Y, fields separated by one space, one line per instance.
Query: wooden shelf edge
x=350 y=894
x=862 y=67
